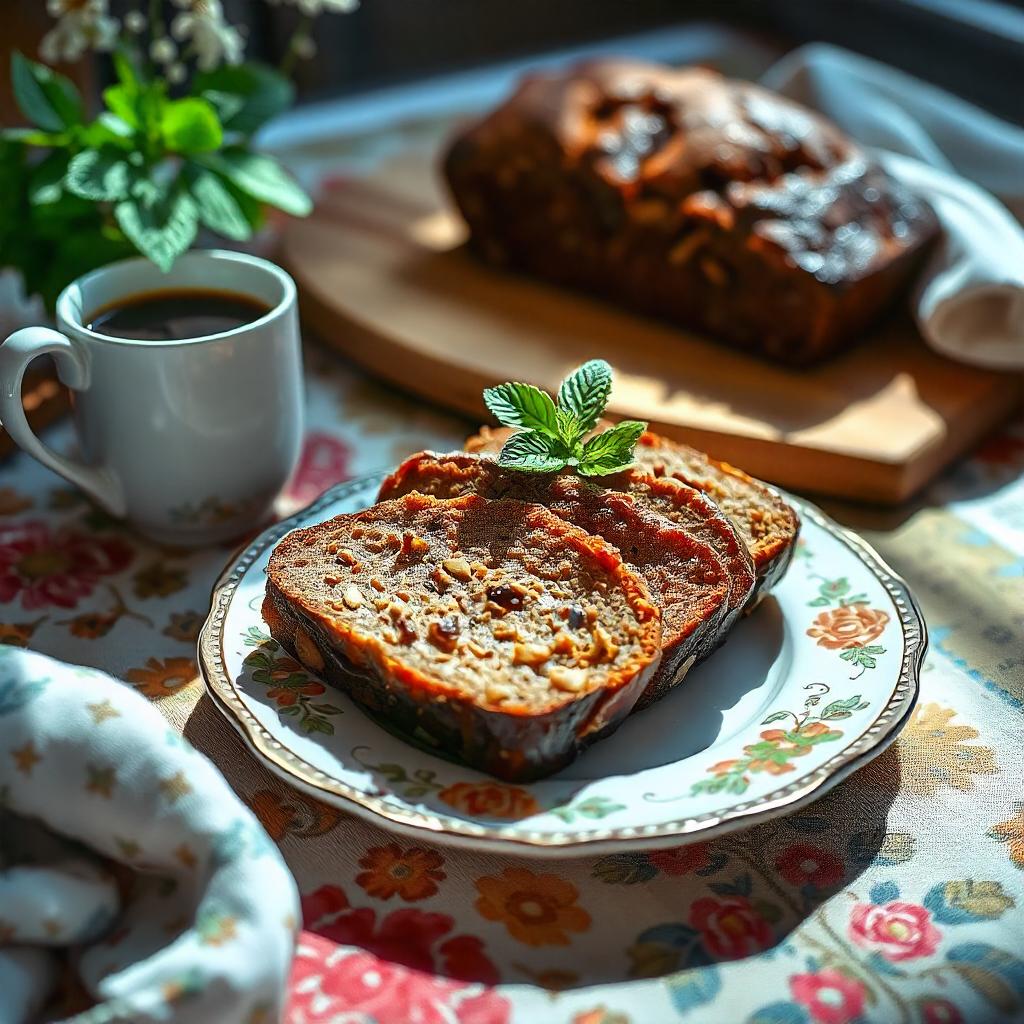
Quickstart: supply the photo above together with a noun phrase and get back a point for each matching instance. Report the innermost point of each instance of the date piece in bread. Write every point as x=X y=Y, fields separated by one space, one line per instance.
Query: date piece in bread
x=681 y=565
x=495 y=633
x=767 y=524
x=712 y=203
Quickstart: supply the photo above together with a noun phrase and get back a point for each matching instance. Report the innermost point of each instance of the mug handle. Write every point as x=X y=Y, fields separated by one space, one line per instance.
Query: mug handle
x=16 y=353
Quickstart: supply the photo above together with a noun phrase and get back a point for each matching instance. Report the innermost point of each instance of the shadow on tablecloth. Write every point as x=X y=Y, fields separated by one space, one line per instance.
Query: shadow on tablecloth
x=562 y=924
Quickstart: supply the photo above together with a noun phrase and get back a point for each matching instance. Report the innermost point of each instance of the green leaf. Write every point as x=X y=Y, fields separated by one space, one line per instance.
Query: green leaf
x=47 y=99
x=123 y=102
x=611 y=450
x=522 y=405
x=125 y=70
x=100 y=175
x=46 y=185
x=218 y=208
x=532 y=452
x=32 y=137
x=191 y=125
x=847 y=705
x=585 y=393
x=262 y=178
x=775 y=716
x=160 y=224
x=107 y=130
x=624 y=869
x=245 y=95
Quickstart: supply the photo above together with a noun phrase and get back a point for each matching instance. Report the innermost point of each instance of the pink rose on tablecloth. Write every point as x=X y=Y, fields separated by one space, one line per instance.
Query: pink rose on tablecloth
x=830 y=996
x=898 y=930
x=413 y=938
x=55 y=567
x=730 y=928
x=324 y=462
x=939 y=1011
x=328 y=980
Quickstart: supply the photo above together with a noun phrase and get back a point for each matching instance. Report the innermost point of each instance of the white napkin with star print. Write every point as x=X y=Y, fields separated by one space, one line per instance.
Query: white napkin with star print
x=969 y=165
x=120 y=842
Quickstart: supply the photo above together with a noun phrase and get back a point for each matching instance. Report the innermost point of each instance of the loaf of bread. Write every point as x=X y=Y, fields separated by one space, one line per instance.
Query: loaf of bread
x=768 y=525
x=493 y=632
x=687 y=552
x=709 y=202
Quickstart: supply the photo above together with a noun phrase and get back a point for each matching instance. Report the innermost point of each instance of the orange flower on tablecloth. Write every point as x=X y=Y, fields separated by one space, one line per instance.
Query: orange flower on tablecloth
x=852 y=625
x=292 y=815
x=410 y=874
x=184 y=626
x=18 y=634
x=92 y=625
x=158 y=579
x=162 y=678
x=490 y=800
x=1011 y=832
x=539 y=910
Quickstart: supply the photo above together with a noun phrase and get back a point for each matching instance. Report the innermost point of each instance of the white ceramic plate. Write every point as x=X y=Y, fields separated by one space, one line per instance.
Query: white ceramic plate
x=817 y=681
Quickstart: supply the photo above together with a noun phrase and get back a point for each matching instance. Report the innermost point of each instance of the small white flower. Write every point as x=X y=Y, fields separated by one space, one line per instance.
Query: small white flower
x=86 y=28
x=163 y=50
x=212 y=39
x=176 y=74
x=135 y=22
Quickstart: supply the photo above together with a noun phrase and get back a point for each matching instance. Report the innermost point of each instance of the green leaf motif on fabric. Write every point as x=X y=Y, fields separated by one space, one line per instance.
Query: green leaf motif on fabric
x=997 y=976
x=968 y=901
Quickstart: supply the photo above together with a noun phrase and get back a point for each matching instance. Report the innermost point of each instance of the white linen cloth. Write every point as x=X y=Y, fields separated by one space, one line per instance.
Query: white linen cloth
x=122 y=843
x=969 y=165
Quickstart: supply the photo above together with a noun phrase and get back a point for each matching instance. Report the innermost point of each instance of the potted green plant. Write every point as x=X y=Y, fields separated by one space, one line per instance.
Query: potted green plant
x=169 y=155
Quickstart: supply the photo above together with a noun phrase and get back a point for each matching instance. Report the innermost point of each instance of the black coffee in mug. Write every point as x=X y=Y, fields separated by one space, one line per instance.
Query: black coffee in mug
x=175 y=315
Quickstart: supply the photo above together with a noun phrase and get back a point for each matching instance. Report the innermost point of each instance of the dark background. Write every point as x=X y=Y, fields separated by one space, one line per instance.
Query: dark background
x=972 y=47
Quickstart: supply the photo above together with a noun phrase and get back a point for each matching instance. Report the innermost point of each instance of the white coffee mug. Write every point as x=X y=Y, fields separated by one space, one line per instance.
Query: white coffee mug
x=190 y=441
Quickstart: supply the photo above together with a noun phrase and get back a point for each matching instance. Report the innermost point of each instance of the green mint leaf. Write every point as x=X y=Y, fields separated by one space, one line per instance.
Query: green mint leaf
x=160 y=222
x=245 y=95
x=217 y=206
x=532 y=452
x=584 y=394
x=611 y=450
x=523 y=405
x=191 y=125
x=260 y=177
x=47 y=99
x=99 y=175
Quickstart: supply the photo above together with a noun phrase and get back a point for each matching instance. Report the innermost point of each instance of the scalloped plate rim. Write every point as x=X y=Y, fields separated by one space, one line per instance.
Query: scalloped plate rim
x=418 y=824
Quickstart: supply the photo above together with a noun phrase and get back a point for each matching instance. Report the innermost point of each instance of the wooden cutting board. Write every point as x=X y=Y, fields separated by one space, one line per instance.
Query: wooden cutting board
x=385 y=278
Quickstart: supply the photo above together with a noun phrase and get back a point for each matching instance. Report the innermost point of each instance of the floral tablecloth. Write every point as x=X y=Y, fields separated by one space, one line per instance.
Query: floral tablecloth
x=899 y=896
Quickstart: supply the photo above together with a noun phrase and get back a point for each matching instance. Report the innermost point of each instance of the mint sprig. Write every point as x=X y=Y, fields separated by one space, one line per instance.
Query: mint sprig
x=549 y=437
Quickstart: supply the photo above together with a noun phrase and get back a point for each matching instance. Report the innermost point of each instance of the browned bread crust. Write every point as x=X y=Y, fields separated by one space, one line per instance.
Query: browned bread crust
x=763 y=519
x=713 y=203
x=492 y=632
x=686 y=551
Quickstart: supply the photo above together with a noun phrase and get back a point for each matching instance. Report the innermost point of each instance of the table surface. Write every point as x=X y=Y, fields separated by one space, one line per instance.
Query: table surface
x=899 y=896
